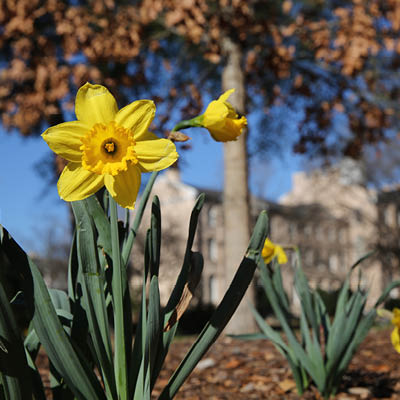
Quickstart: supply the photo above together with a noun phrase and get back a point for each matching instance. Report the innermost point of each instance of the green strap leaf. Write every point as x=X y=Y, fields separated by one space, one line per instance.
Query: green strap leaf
x=224 y=311
x=121 y=301
x=100 y=219
x=77 y=374
x=13 y=363
x=93 y=294
x=128 y=243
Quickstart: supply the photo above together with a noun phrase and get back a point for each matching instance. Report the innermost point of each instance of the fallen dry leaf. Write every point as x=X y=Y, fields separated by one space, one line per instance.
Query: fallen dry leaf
x=287 y=385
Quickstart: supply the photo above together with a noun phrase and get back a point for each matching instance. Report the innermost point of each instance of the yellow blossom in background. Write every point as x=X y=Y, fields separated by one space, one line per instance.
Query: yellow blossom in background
x=107 y=147
x=272 y=250
x=221 y=119
x=395 y=336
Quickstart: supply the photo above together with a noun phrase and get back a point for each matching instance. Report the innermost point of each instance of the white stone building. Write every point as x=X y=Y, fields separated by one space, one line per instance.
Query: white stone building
x=329 y=216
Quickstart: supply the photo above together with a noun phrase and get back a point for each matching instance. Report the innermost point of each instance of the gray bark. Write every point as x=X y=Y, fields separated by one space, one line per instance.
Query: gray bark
x=236 y=193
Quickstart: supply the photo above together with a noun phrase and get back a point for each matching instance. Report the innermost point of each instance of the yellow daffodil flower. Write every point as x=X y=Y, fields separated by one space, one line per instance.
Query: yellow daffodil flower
x=107 y=147
x=395 y=336
x=272 y=250
x=221 y=119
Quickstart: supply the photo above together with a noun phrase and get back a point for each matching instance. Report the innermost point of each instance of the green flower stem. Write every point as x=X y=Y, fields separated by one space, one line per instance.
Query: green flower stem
x=126 y=250
x=120 y=361
x=188 y=123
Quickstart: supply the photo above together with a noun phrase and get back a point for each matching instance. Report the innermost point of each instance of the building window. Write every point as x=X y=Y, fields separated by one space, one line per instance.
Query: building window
x=319 y=232
x=309 y=258
x=333 y=263
x=308 y=230
x=212 y=217
x=292 y=231
x=386 y=216
x=389 y=215
x=332 y=234
x=212 y=250
x=213 y=289
x=358 y=215
x=342 y=235
x=360 y=246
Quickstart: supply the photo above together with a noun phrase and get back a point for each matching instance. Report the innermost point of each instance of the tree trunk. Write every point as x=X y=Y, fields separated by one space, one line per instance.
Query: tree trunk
x=236 y=193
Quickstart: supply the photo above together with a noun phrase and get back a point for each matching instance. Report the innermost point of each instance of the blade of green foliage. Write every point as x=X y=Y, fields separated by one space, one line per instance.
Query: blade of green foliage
x=77 y=374
x=154 y=317
x=95 y=210
x=278 y=285
x=127 y=245
x=360 y=333
x=155 y=237
x=362 y=329
x=79 y=378
x=269 y=333
x=32 y=345
x=192 y=267
x=298 y=352
x=342 y=298
x=313 y=352
x=136 y=370
x=304 y=293
x=36 y=379
x=224 y=311
x=360 y=260
x=192 y=263
x=120 y=295
x=342 y=331
x=195 y=270
x=386 y=292
x=213 y=328
x=15 y=274
x=295 y=366
x=93 y=290
x=62 y=306
x=73 y=268
x=323 y=316
x=184 y=272
x=283 y=348
x=274 y=298
x=137 y=363
x=13 y=364
x=154 y=330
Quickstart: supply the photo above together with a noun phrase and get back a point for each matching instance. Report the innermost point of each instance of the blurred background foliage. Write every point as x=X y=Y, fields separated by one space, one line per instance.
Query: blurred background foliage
x=331 y=65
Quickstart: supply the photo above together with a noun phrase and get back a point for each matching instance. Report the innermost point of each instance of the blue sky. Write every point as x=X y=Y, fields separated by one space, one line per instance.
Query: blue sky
x=31 y=210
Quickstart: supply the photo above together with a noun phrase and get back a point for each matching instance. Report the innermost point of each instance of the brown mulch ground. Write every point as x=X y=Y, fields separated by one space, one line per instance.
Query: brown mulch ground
x=240 y=370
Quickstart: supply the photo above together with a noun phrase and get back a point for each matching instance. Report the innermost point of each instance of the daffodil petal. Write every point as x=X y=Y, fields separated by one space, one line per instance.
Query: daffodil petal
x=124 y=187
x=267 y=252
x=137 y=117
x=281 y=255
x=231 y=129
x=225 y=96
x=65 y=139
x=215 y=114
x=77 y=183
x=395 y=337
x=95 y=104
x=149 y=136
x=155 y=155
